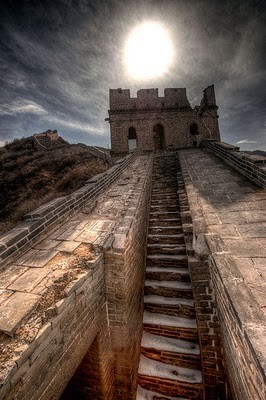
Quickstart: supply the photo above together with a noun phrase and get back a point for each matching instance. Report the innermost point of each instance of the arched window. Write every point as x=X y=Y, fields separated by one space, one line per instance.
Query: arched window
x=132 y=138
x=158 y=137
x=193 y=129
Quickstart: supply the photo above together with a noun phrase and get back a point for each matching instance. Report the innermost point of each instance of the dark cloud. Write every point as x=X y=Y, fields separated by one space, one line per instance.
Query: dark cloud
x=58 y=60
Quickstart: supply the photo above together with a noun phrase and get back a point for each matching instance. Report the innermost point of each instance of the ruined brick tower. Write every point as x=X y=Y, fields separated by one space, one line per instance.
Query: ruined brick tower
x=149 y=122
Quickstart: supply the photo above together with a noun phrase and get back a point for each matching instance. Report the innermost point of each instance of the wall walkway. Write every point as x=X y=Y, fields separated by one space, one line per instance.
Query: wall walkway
x=229 y=228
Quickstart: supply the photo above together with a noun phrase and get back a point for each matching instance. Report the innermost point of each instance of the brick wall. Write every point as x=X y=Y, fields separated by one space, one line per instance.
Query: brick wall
x=252 y=166
x=43 y=367
x=125 y=270
x=94 y=377
x=243 y=328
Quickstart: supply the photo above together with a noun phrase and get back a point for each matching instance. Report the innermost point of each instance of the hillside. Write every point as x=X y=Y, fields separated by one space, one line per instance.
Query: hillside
x=34 y=171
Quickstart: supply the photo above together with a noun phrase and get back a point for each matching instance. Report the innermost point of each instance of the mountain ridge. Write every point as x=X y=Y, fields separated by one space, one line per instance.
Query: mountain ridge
x=33 y=172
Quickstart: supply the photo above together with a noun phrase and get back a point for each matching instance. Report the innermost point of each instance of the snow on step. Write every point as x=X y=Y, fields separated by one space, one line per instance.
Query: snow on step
x=151 y=341
x=170 y=301
x=168 y=320
x=144 y=394
x=168 y=284
x=158 y=369
x=180 y=271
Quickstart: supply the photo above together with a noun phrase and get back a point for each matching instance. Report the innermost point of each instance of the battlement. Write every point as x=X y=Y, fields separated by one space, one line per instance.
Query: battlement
x=148 y=99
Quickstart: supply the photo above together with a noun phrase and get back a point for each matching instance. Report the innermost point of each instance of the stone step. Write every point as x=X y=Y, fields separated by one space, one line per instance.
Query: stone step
x=189 y=334
x=169 y=379
x=167 y=274
x=161 y=260
x=168 y=289
x=145 y=394
x=164 y=222
x=163 y=207
x=171 y=351
x=169 y=238
x=166 y=248
x=160 y=193
x=170 y=301
x=164 y=198
x=164 y=214
x=180 y=310
x=169 y=263
x=162 y=321
x=166 y=230
x=159 y=369
x=164 y=343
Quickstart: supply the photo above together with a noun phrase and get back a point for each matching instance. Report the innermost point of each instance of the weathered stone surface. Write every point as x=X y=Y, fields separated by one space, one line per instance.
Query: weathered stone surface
x=10 y=274
x=37 y=258
x=29 y=279
x=15 y=309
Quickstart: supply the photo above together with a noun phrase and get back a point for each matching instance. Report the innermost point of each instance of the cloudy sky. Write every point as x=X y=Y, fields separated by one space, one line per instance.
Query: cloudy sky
x=58 y=60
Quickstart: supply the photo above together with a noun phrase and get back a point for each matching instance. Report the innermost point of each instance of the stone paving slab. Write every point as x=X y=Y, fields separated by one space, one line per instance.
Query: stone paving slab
x=68 y=246
x=37 y=258
x=10 y=274
x=4 y=295
x=15 y=309
x=27 y=281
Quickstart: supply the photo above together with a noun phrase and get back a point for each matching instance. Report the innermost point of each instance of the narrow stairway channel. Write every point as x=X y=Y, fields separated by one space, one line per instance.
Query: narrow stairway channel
x=170 y=362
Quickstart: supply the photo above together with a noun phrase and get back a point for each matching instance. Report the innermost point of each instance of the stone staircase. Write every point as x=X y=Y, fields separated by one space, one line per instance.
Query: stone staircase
x=170 y=362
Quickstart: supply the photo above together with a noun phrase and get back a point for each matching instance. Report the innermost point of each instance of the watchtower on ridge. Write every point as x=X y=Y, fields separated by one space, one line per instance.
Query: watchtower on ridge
x=149 y=122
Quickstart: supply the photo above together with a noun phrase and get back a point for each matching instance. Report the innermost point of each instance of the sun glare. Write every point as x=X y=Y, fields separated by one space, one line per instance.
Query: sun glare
x=148 y=51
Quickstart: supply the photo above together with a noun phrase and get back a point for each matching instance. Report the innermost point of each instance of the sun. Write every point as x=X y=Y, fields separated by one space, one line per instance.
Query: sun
x=148 y=51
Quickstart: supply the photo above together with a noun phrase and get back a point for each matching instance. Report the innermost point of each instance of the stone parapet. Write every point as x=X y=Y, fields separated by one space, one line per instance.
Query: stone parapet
x=252 y=166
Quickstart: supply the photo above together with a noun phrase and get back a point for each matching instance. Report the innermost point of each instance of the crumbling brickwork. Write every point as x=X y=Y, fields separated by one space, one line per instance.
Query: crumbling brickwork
x=171 y=116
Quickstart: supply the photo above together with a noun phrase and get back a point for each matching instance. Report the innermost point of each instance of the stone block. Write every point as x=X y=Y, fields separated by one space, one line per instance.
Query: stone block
x=20 y=373
x=119 y=242
x=37 y=258
x=15 y=310
x=12 y=237
x=243 y=248
x=29 y=279
x=10 y=274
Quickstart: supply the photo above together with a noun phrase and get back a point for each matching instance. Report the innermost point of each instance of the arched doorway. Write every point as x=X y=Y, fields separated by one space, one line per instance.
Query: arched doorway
x=132 y=139
x=194 y=131
x=158 y=137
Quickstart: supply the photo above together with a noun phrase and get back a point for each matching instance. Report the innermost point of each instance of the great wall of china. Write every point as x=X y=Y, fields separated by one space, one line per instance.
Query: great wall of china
x=147 y=283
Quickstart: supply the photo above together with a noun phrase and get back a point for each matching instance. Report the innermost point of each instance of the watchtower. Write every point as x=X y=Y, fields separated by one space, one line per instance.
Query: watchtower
x=149 y=122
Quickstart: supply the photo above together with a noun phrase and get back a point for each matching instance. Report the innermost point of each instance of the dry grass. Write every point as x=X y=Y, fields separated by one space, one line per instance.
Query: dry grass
x=30 y=177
